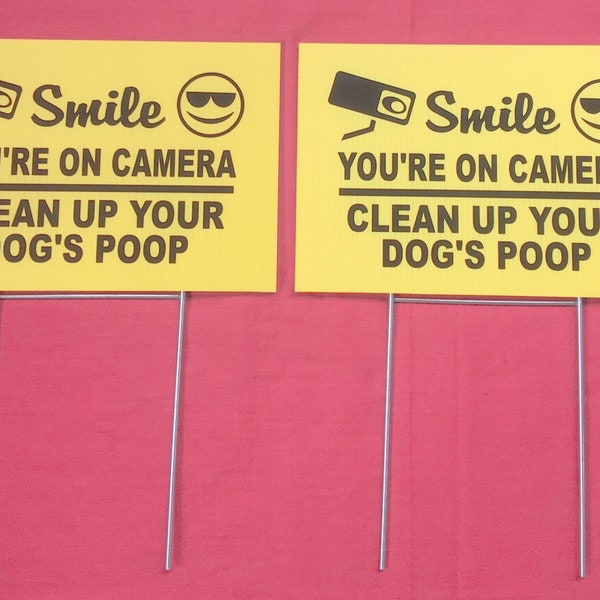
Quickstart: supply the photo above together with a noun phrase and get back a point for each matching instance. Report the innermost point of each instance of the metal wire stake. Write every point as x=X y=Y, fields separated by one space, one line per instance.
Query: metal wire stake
x=170 y=524
x=582 y=500
x=581 y=385
x=387 y=437
x=89 y=296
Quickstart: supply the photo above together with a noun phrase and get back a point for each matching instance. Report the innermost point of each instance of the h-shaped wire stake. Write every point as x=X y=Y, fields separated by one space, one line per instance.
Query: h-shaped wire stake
x=388 y=407
x=140 y=296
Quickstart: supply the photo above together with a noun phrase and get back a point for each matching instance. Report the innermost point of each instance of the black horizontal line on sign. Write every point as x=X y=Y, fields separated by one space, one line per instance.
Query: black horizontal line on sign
x=108 y=187
x=382 y=192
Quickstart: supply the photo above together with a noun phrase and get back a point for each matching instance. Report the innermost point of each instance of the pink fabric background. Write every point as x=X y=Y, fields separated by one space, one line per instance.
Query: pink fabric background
x=281 y=439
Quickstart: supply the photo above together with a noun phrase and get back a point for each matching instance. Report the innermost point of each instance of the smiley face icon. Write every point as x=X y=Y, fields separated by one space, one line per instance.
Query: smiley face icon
x=585 y=110
x=210 y=104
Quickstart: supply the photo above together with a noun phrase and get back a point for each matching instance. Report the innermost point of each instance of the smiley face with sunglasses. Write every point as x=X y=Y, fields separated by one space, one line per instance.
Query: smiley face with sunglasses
x=585 y=110
x=210 y=104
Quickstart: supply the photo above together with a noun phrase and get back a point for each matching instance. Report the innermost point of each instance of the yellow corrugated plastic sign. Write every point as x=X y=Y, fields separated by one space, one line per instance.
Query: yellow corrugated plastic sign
x=135 y=166
x=449 y=170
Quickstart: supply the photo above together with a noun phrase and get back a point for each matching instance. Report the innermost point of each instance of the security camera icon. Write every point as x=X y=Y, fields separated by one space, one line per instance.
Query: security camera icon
x=9 y=98
x=371 y=98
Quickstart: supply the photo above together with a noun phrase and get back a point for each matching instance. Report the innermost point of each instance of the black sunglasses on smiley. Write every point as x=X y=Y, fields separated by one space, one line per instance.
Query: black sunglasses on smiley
x=221 y=99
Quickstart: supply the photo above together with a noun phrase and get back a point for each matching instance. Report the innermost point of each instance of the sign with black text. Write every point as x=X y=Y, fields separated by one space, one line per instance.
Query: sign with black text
x=134 y=166
x=449 y=170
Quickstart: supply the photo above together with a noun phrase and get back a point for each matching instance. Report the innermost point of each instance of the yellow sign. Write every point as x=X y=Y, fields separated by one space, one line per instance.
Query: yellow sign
x=449 y=170
x=134 y=166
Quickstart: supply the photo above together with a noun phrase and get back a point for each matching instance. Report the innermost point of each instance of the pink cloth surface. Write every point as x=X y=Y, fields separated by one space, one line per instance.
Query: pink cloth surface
x=281 y=440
